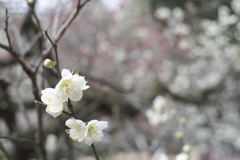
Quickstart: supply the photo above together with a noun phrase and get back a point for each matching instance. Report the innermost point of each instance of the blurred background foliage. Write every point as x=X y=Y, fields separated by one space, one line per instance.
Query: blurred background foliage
x=163 y=73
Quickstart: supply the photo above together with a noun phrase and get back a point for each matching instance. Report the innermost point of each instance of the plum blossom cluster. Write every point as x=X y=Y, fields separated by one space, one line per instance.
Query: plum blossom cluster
x=71 y=87
x=90 y=132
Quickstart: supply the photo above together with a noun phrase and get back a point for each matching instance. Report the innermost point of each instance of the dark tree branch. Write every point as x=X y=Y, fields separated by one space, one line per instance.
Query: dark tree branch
x=70 y=107
x=95 y=152
x=18 y=59
x=32 y=75
x=6 y=29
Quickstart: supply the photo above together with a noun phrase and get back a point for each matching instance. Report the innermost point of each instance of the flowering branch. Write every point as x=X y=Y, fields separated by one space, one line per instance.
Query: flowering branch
x=69 y=104
x=19 y=59
x=66 y=85
x=32 y=73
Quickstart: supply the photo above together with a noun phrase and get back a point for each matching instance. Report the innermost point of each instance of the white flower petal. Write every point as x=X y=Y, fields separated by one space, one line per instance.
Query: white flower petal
x=84 y=87
x=47 y=95
x=54 y=112
x=71 y=123
x=76 y=135
x=76 y=96
x=65 y=73
x=102 y=125
x=98 y=137
x=92 y=122
x=62 y=96
x=79 y=80
x=88 y=141
x=48 y=90
x=86 y=132
x=79 y=122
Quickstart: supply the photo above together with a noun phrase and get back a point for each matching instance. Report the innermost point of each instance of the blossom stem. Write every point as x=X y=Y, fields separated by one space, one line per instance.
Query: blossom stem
x=56 y=54
x=70 y=106
x=35 y=101
x=95 y=152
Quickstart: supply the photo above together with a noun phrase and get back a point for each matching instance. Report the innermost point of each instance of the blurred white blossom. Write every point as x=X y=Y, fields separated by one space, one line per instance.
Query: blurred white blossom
x=162 y=13
x=157 y=114
x=182 y=29
x=178 y=14
x=182 y=156
x=51 y=143
x=235 y=4
x=160 y=155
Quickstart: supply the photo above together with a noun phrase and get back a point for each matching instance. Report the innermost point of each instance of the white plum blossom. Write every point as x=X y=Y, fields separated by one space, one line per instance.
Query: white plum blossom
x=94 y=132
x=77 y=129
x=158 y=114
x=182 y=156
x=54 y=106
x=70 y=86
x=162 y=13
x=51 y=143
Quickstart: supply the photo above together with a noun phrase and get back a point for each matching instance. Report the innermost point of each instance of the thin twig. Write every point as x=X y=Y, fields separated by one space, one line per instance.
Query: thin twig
x=95 y=152
x=68 y=113
x=61 y=31
x=70 y=19
x=35 y=101
x=56 y=54
x=6 y=29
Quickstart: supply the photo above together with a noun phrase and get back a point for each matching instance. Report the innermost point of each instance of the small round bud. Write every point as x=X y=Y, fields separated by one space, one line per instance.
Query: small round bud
x=186 y=148
x=48 y=63
x=183 y=120
x=178 y=135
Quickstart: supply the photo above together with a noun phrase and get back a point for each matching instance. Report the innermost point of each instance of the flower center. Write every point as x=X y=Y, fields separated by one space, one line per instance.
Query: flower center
x=91 y=130
x=78 y=127
x=67 y=86
x=52 y=101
